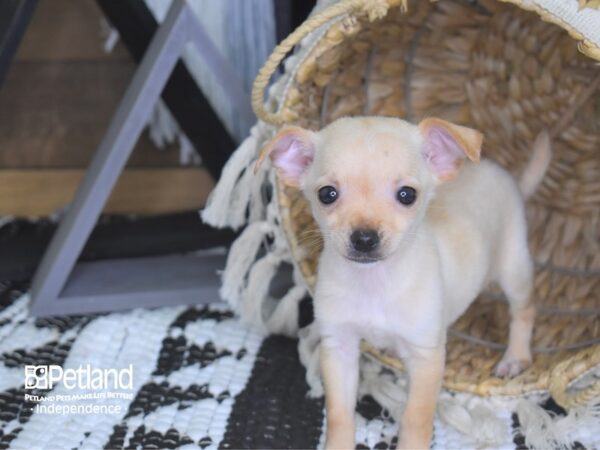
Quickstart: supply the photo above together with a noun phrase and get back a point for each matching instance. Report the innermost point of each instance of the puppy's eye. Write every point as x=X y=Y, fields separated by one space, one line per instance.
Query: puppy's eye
x=406 y=195
x=327 y=195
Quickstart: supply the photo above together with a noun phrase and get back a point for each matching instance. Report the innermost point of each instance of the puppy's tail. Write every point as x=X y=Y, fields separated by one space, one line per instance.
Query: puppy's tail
x=538 y=164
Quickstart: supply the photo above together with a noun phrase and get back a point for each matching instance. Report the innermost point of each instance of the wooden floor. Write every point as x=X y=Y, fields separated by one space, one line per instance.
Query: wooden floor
x=56 y=103
x=42 y=192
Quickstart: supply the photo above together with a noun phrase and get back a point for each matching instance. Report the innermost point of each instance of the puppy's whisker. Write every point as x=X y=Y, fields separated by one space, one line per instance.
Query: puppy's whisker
x=311 y=243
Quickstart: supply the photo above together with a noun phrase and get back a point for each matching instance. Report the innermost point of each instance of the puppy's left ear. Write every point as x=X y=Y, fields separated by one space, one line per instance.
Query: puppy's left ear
x=446 y=145
x=292 y=151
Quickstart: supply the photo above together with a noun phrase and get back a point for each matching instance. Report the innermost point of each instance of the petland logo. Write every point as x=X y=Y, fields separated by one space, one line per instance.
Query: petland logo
x=85 y=377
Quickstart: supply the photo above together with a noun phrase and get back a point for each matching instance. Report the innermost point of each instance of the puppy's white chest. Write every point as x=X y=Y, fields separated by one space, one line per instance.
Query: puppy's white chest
x=381 y=308
x=373 y=309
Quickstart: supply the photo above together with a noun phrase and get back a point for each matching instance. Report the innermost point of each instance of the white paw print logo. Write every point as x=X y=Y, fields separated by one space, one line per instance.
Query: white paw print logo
x=36 y=377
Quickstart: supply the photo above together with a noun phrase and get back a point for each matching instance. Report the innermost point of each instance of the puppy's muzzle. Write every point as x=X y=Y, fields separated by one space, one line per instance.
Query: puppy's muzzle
x=364 y=244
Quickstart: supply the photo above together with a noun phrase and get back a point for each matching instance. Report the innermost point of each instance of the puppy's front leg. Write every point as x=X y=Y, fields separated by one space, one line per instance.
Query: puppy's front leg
x=426 y=368
x=339 y=370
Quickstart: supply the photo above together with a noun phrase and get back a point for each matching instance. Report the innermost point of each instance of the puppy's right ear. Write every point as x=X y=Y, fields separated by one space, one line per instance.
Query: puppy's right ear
x=446 y=145
x=292 y=151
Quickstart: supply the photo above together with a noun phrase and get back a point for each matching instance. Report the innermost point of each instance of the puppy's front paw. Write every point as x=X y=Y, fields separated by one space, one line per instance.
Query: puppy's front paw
x=407 y=442
x=340 y=437
x=339 y=443
x=510 y=367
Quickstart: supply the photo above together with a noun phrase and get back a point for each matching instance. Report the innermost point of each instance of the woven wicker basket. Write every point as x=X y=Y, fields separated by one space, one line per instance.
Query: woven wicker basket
x=501 y=69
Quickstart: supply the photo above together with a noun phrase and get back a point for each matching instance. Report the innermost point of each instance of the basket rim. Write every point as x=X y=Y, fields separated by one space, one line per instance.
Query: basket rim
x=375 y=10
x=585 y=45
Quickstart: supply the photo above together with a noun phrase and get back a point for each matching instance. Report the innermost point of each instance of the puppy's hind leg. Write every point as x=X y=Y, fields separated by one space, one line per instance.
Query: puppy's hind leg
x=516 y=280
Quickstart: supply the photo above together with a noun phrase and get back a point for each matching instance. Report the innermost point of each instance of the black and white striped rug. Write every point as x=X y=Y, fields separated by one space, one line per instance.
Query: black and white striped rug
x=200 y=380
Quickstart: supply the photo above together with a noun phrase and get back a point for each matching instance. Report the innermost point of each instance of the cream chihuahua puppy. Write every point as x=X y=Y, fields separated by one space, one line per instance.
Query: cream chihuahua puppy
x=413 y=230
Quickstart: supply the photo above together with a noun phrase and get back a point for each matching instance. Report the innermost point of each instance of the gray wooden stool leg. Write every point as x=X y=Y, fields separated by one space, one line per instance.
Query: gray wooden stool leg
x=123 y=284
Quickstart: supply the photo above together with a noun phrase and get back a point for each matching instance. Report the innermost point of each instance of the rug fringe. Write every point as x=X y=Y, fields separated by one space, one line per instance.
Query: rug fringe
x=284 y=318
x=242 y=256
x=228 y=203
x=239 y=199
x=543 y=429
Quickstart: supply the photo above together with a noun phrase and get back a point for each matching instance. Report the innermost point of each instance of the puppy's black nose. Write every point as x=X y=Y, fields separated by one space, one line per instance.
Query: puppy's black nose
x=364 y=240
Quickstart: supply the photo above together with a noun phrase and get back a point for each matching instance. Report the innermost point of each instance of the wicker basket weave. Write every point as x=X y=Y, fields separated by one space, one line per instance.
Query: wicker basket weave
x=498 y=68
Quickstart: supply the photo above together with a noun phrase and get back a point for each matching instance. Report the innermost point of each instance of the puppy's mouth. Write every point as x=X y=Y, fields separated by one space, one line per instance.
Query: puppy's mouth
x=364 y=259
